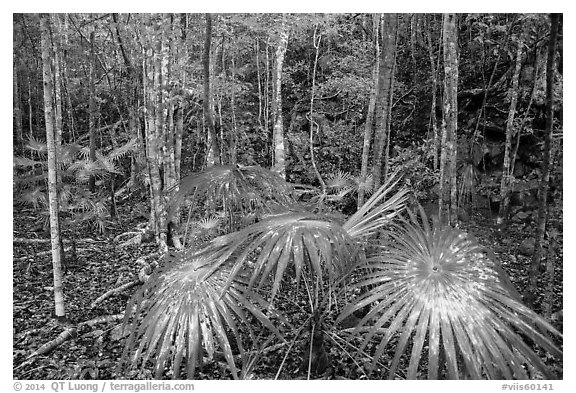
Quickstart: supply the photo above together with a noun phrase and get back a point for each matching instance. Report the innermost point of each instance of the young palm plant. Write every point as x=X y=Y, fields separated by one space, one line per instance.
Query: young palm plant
x=195 y=302
x=434 y=291
x=430 y=288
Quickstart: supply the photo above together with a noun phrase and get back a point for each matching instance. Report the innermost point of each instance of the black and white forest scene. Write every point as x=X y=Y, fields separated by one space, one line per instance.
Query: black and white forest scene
x=287 y=196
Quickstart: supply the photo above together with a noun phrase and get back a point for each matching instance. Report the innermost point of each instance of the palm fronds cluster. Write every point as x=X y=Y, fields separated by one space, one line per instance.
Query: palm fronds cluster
x=438 y=305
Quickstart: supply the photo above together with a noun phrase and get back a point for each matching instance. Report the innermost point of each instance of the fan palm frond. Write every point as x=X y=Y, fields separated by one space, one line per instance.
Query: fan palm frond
x=239 y=189
x=308 y=241
x=339 y=180
x=35 y=197
x=209 y=223
x=24 y=162
x=434 y=287
x=183 y=311
x=121 y=151
x=37 y=146
x=376 y=213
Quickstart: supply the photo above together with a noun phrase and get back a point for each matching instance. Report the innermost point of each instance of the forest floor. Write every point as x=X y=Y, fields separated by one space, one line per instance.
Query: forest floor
x=93 y=352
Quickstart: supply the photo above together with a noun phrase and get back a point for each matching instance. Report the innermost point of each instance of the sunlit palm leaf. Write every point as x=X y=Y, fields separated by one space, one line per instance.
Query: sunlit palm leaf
x=239 y=189
x=36 y=146
x=24 y=162
x=269 y=247
x=434 y=285
x=377 y=211
x=339 y=180
x=183 y=312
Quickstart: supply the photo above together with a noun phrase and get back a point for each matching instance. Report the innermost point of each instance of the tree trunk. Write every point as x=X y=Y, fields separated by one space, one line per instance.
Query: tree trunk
x=92 y=109
x=47 y=58
x=213 y=142
x=279 y=164
x=316 y=44
x=434 y=75
x=546 y=166
x=369 y=125
x=448 y=191
x=383 y=97
x=154 y=138
x=506 y=169
x=18 y=128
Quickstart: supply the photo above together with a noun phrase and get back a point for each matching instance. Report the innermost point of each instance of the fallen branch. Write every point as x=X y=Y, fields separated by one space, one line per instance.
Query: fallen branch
x=72 y=332
x=115 y=291
x=42 y=253
x=143 y=276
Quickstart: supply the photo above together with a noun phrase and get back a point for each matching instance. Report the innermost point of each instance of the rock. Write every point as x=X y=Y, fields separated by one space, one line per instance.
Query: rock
x=527 y=246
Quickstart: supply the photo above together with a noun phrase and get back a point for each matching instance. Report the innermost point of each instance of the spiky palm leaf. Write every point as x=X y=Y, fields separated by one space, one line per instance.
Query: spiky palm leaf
x=309 y=242
x=433 y=286
x=233 y=189
x=183 y=312
x=377 y=211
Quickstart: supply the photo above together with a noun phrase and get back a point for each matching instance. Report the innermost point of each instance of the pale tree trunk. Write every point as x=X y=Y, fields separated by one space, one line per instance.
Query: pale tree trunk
x=234 y=130
x=92 y=109
x=448 y=191
x=179 y=116
x=138 y=161
x=267 y=101
x=47 y=58
x=259 y=78
x=17 y=105
x=58 y=85
x=154 y=138
x=434 y=74
x=279 y=164
x=383 y=97
x=213 y=142
x=506 y=169
x=369 y=125
x=389 y=118
x=546 y=165
x=311 y=118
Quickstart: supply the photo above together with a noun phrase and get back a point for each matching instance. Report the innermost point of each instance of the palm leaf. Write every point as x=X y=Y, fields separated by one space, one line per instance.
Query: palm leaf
x=435 y=285
x=374 y=214
x=183 y=312
x=233 y=189
x=307 y=241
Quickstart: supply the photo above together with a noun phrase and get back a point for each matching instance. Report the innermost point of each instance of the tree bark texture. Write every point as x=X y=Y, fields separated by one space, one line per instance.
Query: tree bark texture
x=47 y=76
x=279 y=165
x=213 y=144
x=383 y=97
x=505 y=182
x=546 y=166
x=92 y=109
x=369 y=125
x=448 y=189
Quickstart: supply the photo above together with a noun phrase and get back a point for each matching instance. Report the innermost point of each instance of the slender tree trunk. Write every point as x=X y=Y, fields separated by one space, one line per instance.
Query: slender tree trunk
x=92 y=109
x=267 y=102
x=546 y=165
x=234 y=130
x=278 y=131
x=312 y=122
x=434 y=74
x=58 y=86
x=383 y=98
x=47 y=58
x=369 y=125
x=17 y=105
x=214 y=144
x=257 y=50
x=506 y=169
x=154 y=145
x=448 y=190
